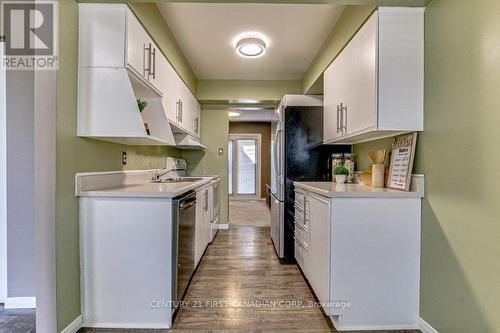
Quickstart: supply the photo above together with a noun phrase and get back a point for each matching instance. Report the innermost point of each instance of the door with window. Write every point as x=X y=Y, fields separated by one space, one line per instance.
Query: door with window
x=244 y=166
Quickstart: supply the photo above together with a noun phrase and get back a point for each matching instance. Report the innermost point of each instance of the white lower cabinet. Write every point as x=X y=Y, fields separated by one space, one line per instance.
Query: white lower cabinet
x=202 y=224
x=361 y=256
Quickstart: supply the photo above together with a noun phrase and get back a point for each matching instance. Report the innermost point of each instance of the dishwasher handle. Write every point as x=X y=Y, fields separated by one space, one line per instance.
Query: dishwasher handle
x=186 y=204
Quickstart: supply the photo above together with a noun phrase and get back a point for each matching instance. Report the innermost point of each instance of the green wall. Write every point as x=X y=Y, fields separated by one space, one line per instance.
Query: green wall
x=457 y=152
x=80 y=155
x=214 y=135
x=211 y=91
x=348 y=24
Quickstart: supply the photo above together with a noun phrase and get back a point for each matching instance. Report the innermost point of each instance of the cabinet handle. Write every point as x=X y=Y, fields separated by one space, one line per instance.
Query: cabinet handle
x=148 y=68
x=300 y=241
x=305 y=209
x=181 y=110
x=177 y=108
x=302 y=226
x=154 y=64
x=338 y=118
x=345 y=126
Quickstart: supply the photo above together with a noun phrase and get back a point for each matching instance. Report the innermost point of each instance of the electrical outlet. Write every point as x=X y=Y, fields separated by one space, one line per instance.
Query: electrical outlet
x=124 y=158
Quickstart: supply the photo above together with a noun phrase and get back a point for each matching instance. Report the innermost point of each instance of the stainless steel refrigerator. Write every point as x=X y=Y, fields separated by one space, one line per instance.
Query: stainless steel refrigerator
x=297 y=155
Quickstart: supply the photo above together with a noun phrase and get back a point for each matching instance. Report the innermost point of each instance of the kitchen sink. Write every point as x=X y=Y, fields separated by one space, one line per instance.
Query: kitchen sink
x=179 y=180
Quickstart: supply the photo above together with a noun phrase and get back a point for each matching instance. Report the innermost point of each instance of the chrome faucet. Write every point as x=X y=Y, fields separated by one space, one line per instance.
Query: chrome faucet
x=160 y=173
x=177 y=165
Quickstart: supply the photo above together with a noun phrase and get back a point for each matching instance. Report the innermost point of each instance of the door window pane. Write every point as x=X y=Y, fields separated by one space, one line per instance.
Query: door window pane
x=230 y=165
x=247 y=166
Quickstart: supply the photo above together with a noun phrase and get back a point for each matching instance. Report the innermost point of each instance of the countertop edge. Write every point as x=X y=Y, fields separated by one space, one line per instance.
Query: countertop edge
x=416 y=192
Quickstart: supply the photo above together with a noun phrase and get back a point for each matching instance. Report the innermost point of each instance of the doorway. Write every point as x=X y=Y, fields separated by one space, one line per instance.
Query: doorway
x=244 y=159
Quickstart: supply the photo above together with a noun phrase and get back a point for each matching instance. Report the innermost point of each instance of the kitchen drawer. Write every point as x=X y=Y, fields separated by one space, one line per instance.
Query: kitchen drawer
x=302 y=231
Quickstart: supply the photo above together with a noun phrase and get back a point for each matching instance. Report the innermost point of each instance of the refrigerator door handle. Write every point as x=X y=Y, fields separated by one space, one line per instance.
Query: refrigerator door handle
x=277 y=159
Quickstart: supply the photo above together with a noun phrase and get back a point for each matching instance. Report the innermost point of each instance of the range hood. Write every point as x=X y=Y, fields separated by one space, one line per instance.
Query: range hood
x=186 y=141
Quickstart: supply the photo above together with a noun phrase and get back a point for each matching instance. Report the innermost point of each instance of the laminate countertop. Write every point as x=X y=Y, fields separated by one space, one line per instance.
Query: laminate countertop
x=133 y=184
x=359 y=190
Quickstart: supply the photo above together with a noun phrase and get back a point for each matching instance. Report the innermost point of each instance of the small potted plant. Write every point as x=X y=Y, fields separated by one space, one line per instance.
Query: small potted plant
x=141 y=104
x=340 y=173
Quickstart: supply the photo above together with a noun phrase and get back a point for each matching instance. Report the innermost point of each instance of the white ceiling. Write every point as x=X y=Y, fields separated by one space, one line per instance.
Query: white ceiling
x=206 y=33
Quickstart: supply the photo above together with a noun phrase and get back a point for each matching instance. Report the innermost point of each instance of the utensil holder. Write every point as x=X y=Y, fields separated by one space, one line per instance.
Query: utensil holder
x=378 y=175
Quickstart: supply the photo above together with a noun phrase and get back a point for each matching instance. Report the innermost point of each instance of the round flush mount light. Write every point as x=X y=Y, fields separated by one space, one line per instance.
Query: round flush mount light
x=251 y=47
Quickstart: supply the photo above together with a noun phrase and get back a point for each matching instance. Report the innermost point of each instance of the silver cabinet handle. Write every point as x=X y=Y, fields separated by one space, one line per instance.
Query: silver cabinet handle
x=345 y=126
x=305 y=209
x=338 y=118
x=154 y=64
x=177 y=110
x=300 y=241
x=147 y=48
x=181 y=110
x=302 y=226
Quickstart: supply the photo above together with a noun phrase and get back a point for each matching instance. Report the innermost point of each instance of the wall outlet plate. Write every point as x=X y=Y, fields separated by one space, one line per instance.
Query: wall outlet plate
x=124 y=158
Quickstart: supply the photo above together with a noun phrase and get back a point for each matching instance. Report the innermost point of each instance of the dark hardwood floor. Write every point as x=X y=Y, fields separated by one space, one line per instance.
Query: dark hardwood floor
x=17 y=321
x=240 y=286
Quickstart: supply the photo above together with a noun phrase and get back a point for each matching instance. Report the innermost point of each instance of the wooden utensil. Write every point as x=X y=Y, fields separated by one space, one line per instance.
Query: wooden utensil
x=372 y=156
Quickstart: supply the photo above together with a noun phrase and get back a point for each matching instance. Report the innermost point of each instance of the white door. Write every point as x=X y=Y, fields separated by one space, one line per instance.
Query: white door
x=244 y=166
x=137 y=46
x=359 y=93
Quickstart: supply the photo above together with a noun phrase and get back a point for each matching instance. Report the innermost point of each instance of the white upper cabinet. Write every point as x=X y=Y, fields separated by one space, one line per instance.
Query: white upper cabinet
x=374 y=88
x=111 y=37
x=138 y=46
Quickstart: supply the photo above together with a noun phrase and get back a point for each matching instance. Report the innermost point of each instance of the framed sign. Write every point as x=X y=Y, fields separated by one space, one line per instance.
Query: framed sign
x=403 y=153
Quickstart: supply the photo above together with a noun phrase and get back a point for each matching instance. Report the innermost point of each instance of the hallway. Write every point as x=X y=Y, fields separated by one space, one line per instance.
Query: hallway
x=249 y=213
x=240 y=270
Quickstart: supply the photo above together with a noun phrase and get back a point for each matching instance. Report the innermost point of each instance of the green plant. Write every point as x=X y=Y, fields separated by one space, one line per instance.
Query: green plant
x=341 y=170
x=141 y=105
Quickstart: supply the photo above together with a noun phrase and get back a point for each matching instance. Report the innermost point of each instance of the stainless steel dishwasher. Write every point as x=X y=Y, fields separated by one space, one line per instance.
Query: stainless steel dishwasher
x=183 y=218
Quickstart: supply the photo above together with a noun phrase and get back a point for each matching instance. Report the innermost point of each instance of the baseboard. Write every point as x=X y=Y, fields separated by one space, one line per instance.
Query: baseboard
x=223 y=226
x=74 y=326
x=425 y=327
x=20 y=303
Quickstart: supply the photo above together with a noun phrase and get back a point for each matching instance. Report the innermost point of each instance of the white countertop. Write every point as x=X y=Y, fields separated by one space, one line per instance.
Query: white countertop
x=132 y=184
x=333 y=190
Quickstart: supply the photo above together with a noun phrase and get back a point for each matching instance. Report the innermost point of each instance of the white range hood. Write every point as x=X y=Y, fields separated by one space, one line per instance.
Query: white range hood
x=186 y=141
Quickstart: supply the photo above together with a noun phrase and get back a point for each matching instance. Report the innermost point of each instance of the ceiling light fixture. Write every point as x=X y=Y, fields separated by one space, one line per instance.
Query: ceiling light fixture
x=233 y=114
x=251 y=47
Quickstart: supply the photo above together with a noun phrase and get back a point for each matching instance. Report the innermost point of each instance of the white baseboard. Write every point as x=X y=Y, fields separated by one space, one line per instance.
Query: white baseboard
x=223 y=226
x=425 y=327
x=20 y=303
x=74 y=326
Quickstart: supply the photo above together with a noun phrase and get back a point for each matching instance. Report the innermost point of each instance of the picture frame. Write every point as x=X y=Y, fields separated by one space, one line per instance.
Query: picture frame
x=402 y=158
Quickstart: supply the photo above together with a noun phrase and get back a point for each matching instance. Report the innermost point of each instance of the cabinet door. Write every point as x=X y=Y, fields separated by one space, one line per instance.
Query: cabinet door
x=168 y=85
x=359 y=93
x=186 y=109
x=102 y=35
x=197 y=119
x=137 y=46
x=333 y=95
x=319 y=247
